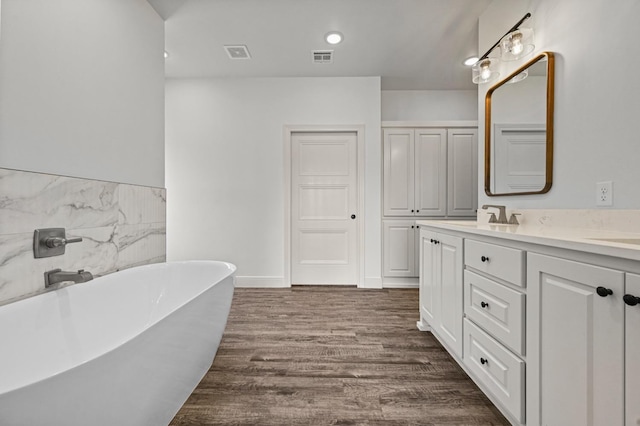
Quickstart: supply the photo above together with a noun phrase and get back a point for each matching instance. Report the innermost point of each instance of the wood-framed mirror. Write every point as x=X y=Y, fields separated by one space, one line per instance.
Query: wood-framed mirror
x=518 y=150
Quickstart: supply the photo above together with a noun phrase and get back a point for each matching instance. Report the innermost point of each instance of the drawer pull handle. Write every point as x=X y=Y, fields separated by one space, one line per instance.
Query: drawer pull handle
x=604 y=292
x=484 y=258
x=484 y=361
x=484 y=304
x=631 y=300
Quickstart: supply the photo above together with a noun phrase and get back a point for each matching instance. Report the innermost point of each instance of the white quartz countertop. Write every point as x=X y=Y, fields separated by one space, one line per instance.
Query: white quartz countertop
x=616 y=243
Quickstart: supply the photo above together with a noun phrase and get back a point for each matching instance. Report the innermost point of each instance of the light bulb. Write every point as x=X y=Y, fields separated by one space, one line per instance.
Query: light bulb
x=516 y=44
x=485 y=71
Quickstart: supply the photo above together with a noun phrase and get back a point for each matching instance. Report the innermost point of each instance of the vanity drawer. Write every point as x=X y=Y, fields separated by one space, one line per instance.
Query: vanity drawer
x=495 y=308
x=501 y=262
x=499 y=371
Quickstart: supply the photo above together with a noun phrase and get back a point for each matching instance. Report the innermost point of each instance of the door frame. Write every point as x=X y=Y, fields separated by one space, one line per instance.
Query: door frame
x=288 y=130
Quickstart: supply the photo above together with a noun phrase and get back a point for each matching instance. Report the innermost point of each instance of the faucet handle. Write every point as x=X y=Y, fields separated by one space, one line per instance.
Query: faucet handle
x=492 y=218
x=59 y=242
x=513 y=220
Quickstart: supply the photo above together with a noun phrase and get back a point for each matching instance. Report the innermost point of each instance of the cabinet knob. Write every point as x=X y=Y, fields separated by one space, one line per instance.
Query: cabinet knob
x=353 y=216
x=484 y=361
x=631 y=300
x=417 y=211
x=604 y=292
x=412 y=226
x=484 y=258
x=484 y=304
x=412 y=211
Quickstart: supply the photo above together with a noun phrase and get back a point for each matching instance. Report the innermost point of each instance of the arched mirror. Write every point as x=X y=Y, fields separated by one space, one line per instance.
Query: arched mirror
x=519 y=130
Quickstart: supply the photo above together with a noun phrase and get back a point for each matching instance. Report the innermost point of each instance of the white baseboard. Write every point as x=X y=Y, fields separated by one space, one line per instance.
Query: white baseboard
x=259 y=282
x=400 y=282
x=372 y=282
x=401 y=285
x=423 y=326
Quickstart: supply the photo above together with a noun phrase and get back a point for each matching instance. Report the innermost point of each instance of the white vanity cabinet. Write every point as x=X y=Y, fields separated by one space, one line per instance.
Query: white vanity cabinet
x=575 y=329
x=441 y=288
x=494 y=308
x=549 y=327
x=632 y=350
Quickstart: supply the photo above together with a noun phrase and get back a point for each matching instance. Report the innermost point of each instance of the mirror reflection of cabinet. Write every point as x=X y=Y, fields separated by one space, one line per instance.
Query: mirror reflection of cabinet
x=519 y=130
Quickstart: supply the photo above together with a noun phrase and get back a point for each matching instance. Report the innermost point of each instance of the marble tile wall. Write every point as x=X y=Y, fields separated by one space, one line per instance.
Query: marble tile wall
x=121 y=225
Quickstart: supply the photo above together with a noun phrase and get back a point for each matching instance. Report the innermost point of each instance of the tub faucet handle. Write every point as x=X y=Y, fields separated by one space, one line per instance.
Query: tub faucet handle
x=49 y=242
x=59 y=242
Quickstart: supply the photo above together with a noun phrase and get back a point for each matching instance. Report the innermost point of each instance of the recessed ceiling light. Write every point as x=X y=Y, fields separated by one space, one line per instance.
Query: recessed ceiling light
x=333 y=37
x=470 y=61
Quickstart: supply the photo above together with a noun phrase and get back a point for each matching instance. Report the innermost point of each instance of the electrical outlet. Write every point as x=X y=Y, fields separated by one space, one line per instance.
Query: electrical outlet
x=604 y=193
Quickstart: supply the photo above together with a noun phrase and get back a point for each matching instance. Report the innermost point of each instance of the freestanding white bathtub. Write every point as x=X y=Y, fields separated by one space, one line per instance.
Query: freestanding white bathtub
x=124 y=349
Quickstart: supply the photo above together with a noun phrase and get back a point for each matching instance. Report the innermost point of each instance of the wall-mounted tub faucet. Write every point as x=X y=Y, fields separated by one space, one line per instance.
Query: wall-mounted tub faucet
x=57 y=276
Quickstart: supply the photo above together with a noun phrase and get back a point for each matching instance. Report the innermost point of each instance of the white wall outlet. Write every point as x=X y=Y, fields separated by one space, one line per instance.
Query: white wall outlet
x=604 y=193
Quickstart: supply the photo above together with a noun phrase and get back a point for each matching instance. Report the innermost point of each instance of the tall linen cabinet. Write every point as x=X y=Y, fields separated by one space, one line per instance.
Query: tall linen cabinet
x=430 y=170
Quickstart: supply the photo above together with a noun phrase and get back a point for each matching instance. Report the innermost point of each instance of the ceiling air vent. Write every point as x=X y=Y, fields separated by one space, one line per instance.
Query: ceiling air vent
x=238 y=52
x=323 y=56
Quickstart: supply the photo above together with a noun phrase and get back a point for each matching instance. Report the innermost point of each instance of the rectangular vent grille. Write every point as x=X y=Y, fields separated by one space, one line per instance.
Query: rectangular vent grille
x=323 y=57
x=238 y=52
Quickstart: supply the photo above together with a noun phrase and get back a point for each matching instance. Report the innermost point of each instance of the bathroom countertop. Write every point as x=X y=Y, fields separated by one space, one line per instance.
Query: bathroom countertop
x=625 y=245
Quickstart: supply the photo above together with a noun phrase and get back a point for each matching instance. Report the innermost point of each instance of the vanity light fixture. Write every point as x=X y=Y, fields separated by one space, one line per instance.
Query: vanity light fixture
x=517 y=44
x=484 y=70
x=333 y=37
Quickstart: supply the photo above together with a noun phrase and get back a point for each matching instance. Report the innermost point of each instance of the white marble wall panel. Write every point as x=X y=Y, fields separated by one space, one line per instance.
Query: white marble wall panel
x=121 y=226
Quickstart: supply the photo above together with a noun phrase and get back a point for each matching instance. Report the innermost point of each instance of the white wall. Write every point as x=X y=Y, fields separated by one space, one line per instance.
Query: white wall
x=82 y=89
x=429 y=105
x=597 y=96
x=224 y=165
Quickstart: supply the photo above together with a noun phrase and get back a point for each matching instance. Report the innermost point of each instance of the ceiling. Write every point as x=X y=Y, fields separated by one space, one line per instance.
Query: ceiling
x=411 y=44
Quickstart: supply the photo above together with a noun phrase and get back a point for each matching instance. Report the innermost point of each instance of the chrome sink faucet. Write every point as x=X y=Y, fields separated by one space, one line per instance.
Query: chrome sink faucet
x=56 y=276
x=502 y=214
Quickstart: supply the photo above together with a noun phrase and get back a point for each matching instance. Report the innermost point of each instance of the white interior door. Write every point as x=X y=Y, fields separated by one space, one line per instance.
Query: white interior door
x=324 y=201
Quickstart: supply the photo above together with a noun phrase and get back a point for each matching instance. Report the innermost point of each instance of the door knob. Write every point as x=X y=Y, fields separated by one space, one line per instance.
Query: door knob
x=353 y=216
x=604 y=292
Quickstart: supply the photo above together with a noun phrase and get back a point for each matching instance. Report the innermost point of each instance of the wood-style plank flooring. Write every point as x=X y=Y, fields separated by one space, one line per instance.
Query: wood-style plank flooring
x=332 y=356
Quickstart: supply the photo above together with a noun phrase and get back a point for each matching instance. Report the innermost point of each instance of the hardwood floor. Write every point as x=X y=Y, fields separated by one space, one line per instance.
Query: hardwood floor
x=332 y=356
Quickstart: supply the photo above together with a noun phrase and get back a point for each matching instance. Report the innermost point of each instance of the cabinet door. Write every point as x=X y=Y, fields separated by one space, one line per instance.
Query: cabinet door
x=575 y=343
x=399 y=256
x=632 y=354
x=398 y=174
x=429 y=275
x=449 y=325
x=430 y=172
x=462 y=172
